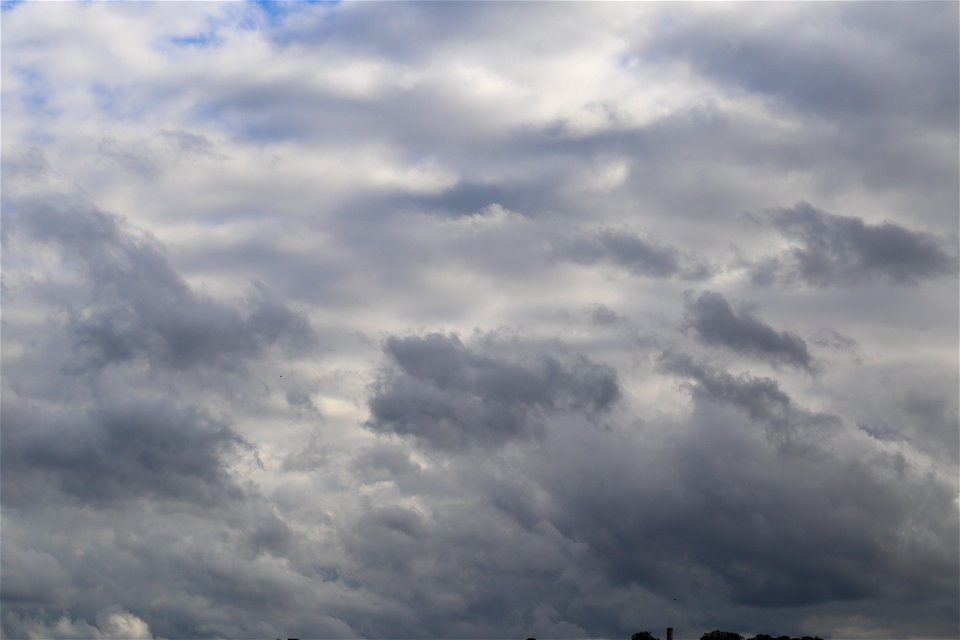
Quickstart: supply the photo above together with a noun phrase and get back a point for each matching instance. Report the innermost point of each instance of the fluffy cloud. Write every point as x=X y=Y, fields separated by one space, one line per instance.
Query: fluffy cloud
x=355 y=320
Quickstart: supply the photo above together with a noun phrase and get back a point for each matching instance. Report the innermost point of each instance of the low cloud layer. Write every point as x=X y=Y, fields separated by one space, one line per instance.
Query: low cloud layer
x=388 y=320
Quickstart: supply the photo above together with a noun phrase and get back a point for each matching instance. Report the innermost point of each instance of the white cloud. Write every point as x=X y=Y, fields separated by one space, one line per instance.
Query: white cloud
x=109 y=626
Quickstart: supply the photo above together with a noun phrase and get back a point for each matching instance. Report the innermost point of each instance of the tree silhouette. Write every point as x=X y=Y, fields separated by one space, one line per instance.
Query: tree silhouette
x=643 y=635
x=729 y=635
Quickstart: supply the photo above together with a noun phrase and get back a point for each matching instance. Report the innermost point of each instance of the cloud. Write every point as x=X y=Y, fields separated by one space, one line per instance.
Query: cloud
x=717 y=514
x=117 y=453
x=137 y=306
x=603 y=315
x=720 y=514
x=361 y=319
x=715 y=323
x=302 y=402
x=384 y=462
x=887 y=70
x=760 y=398
x=186 y=143
x=109 y=626
x=842 y=250
x=626 y=250
x=450 y=396
x=923 y=413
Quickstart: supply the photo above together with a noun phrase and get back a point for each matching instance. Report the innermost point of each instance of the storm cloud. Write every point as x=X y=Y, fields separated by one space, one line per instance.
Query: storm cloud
x=337 y=320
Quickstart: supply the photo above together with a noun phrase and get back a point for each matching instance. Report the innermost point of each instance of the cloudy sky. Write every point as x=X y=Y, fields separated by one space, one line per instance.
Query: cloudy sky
x=479 y=320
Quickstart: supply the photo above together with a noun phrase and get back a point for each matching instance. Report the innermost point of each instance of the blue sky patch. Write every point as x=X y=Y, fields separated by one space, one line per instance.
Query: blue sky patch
x=276 y=11
x=200 y=40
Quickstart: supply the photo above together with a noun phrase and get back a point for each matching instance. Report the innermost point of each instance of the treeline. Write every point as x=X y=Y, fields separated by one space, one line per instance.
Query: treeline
x=725 y=635
x=730 y=635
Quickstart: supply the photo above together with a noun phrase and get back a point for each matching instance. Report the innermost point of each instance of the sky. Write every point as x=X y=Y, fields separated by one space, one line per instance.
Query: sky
x=479 y=320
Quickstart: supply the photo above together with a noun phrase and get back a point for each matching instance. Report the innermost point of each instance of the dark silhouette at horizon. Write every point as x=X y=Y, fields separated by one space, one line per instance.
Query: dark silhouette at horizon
x=717 y=634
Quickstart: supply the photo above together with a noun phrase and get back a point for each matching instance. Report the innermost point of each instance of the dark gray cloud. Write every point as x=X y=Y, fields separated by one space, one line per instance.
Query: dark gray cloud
x=149 y=546
x=926 y=417
x=626 y=250
x=301 y=401
x=716 y=323
x=179 y=460
x=118 y=453
x=138 y=306
x=836 y=341
x=383 y=462
x=816 y=70
x=717 y=527
x=719 y=517
x=935 y=422
x=844 y=250
x=603 y=315
x=451 y=396
x=760 y=398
